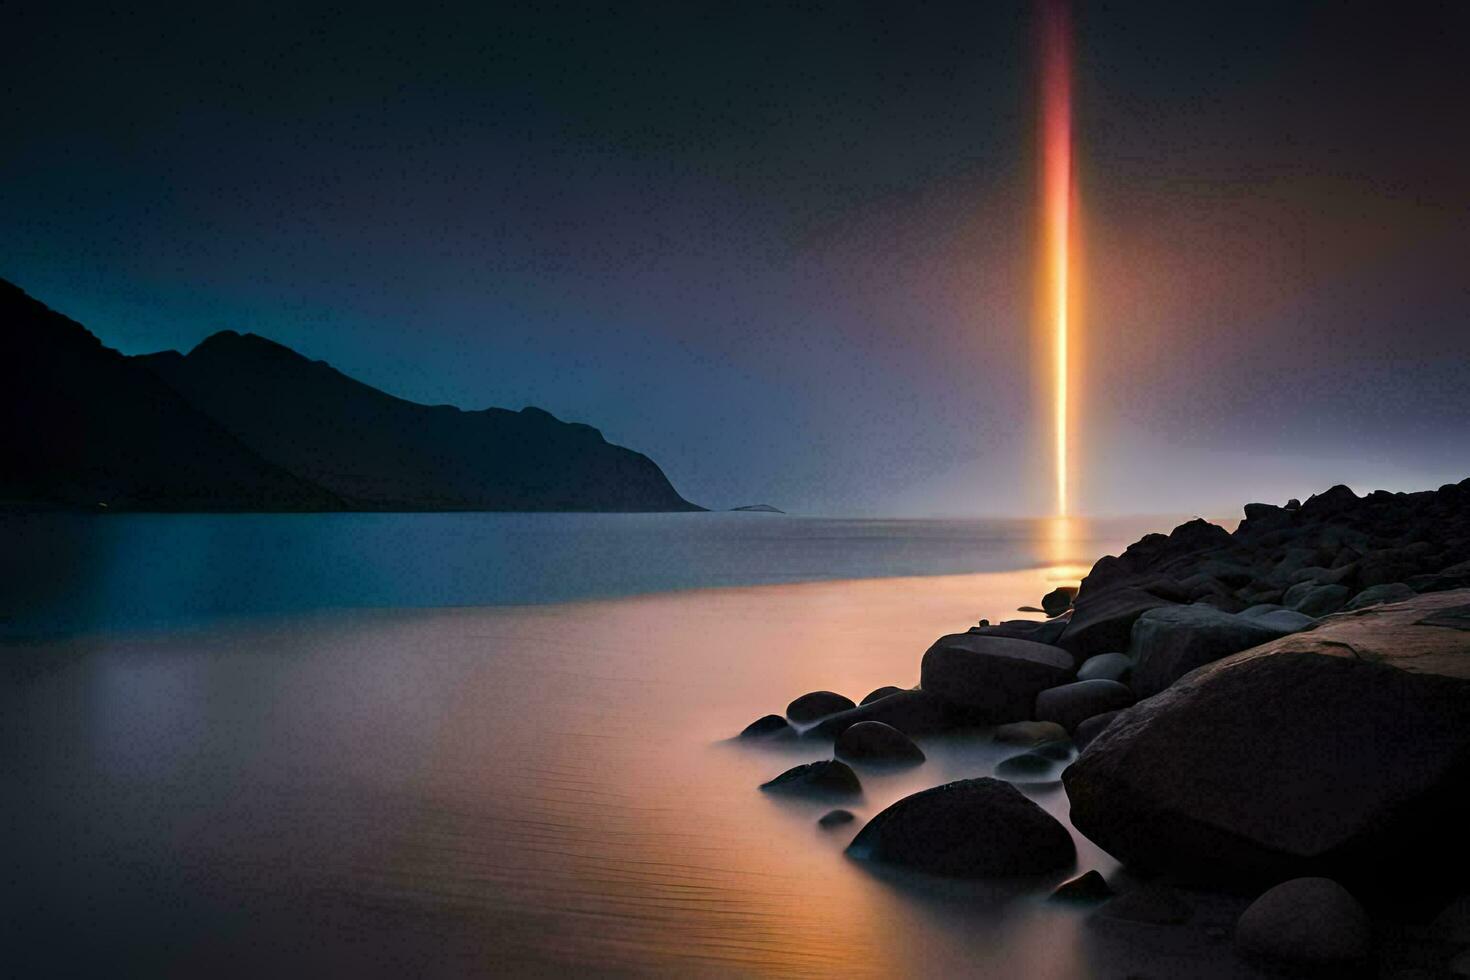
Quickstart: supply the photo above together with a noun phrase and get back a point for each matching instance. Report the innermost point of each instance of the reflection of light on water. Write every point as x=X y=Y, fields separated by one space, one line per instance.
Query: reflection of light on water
x=1062 y=540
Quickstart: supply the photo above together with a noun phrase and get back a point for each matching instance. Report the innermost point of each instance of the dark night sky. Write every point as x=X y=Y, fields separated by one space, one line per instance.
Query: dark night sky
x=787 y=251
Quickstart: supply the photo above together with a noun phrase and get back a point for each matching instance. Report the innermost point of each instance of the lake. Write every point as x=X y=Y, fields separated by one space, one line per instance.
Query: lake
x=480 y=744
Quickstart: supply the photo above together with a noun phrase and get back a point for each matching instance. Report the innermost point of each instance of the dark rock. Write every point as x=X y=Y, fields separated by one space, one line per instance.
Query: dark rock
x=1379 y=594
x=1155 y=905
x=1316 y=600
x=818 y=704
x=971 y=828
x=996 y=679
x=1024 y=629
x=1059 y=750
x=1106 y=667
x=1169 y=642
x=1305 y=921
x=1026 y=766
x=1104 y=623
x=1092 y=728
x=881 y=692
x=1340 y=752
x=1277 y=618
x=912 y=712
x=1058 y=600
x=1090 y=887
x=1030 y=733
x=835 y=818
x=1452 y=923
x=825 y=778
x=875 y=742
x=770 y=725
x=1030 y=609
x=1071 y=704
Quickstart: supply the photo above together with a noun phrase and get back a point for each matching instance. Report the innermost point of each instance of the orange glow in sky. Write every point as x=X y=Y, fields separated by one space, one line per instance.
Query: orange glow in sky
x=1056 y=181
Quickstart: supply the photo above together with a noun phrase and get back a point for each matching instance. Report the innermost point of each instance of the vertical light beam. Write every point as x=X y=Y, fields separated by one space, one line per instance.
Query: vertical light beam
x=1056 y=178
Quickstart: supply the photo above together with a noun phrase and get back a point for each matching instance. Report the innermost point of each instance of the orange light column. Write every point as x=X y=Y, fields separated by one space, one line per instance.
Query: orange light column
x=1056 y=184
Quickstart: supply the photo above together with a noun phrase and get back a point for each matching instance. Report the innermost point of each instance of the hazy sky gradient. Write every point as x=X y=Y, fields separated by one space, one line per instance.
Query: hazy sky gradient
x=788 y=252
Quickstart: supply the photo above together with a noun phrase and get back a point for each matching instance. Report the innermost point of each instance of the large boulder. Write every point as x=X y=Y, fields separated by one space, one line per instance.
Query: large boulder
x=1170 y=641
x=1307 y=922
x=1340 y=752
x=972 y=828
x=875 y=742
x=911 y=712
x=993 y=679
x=817 y=704
x=1103 y=622
x=1071 y=704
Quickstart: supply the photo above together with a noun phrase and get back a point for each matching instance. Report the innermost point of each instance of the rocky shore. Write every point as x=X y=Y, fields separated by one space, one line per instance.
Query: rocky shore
x=1279 y=715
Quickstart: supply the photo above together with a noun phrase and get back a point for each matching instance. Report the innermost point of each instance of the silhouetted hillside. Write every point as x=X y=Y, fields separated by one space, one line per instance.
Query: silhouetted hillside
x=378 y=451
x=82 y=425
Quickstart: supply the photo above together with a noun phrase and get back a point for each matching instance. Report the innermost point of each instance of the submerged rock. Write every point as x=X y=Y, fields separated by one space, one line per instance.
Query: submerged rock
x=828 y=777
x=881 y=692
x=817 y=704
x=1340 y=752
x=768 y=727
x=1026 y=767
x=876 y=742
x=972 y=828
x=835 y=818
x=994 y=679
x=1305 y=921
x=1030 y=733
x=1090 y=887
x=1071 y=704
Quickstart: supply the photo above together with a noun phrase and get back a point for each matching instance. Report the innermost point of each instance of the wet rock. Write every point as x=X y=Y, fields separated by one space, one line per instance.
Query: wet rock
x=1379 y=594
x=1059 y=600
x=1339 y=752
x=828 y=777
x=876 y=742
x=1091 y=728
x=995 y=679
x=973 y=828
x=817 y=704
x=881 y=692
x=1090 y=887
x=1071 y=704
x=1154 y=904
x=1027 y=766
x=835 y=818
x=1025 y=629
x=1305 y=921
x=771 y=726
x=1169 y=642
x=912 y=712
x=1030 y=733
x=1104 y=622
x=1106 y=667
x=1316 y=600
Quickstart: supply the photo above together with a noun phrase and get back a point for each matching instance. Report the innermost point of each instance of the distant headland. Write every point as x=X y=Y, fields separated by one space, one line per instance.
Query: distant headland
x=241 y=423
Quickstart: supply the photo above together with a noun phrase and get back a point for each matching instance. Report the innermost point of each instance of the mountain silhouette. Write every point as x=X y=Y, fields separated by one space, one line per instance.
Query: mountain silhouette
x=241 y=422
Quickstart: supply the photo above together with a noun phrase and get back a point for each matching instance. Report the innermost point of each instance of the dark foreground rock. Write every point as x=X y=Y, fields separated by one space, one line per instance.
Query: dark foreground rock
x=771 y=726
x=1103 y=623
x=817 y=704
x=973 y=828
x=1071 y=704
x=1307 y=922
x=994 y=679
x=874 y=742
x=1342 y=752
x=828 y=777
x=1170 y=641
x=912 y=712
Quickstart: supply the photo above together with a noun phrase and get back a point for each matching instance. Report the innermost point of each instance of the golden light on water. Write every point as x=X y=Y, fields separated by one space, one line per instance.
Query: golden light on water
x=1056 y=178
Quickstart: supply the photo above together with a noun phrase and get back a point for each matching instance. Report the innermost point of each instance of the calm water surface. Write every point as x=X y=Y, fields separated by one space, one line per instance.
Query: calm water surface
x=443 y=745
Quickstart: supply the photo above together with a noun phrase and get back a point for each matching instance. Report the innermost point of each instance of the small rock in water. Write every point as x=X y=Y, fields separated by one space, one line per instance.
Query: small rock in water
x=1059 y=600
x=1155 y=905
x=1030 y=733
x=881 y=692
x=827 y=777
x=1091 y=887
x=835 y=818
x=770 y=725
x=817 y=704
x=1060 y=750
x=1306 y=921
x=1027 y=765
x=875 y=742
x=1071 y=704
